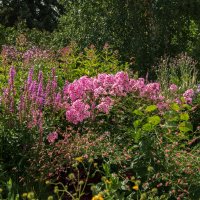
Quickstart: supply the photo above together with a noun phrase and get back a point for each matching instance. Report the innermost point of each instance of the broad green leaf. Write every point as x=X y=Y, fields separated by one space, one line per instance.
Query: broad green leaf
x=188 y=107
x=137 y=135
x=184 y=116
x=151 y=108
x=175 y=107
x=171 y=116
x=138 y=112
x=185 y=127
x=147 y=127
x=174 y=119
x=155 y=120
x=137 y=123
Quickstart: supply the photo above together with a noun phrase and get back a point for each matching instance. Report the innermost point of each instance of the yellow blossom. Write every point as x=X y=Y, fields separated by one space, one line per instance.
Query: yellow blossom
x=79 y=159
x=98 y=197
x=135 y=187
x=107 y=181
x=24 y=195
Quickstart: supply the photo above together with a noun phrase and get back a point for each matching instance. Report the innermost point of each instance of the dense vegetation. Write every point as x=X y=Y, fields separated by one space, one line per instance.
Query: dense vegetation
x=105 y=106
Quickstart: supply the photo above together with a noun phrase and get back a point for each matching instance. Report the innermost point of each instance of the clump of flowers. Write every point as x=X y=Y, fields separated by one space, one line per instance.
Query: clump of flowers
x=173 y=87
x=82 y=99
x=188 y=95
x=52 y=137
x=11 y=54
x=35 y=53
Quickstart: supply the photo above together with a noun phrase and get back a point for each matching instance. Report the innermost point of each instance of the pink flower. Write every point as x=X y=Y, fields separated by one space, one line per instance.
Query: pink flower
x=188 y=94
x=162 y=105
x=99 y=91
x=105 y=105
x=52 y=137
x=173 y=88
x=78 y=112
x=178 y=101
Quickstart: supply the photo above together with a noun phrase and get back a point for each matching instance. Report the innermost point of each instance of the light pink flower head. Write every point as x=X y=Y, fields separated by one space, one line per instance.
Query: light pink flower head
x=52 y=137
x=173 y=88
x=188 y=95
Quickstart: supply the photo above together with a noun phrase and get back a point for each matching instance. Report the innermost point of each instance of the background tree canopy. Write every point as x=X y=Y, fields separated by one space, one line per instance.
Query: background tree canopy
x=40 y=14
x=143 y=30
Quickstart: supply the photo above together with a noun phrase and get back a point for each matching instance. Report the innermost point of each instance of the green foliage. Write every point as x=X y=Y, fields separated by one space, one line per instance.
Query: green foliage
x=163 y=28
x=89 y=62
x=40 y=14
x=181 y=71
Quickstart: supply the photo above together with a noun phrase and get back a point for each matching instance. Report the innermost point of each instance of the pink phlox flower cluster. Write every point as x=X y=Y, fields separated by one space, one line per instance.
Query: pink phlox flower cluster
x=188 y=95
x=52 y=137
x=104 y=80
x=77 y=112
x=80 y=98
x=137 y=85
x=177 y=100
x=151 y=91
x=105 y=105
x=162 y=105
x=173 y=88
x=99 y=92
x=75 y=90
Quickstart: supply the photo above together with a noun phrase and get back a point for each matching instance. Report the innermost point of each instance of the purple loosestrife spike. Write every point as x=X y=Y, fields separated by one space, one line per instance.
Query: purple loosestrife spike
x=58 y=101
x=30 y=77
x=40 y=76
x=12 y=75
x=54 y=80
x=11 y=89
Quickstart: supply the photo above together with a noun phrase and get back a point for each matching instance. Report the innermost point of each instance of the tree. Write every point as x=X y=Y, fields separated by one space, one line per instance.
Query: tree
x=42 y=14
x=143 y=29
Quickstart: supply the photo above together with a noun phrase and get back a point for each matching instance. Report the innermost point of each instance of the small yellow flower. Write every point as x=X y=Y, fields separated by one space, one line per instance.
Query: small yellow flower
x=132 y=178
x=150 y=169
x=107 y=181
x=143 y=196
x=24 y=195
x=106 y=191
x=47 y=182
x=137 y=182
x=98 y=197
x=95 y=165
x=135 y=187
x=71 y=176
x=81 y=182
x=79 y=159
x=50 y=198
x=30 y=195
x=56 y=190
